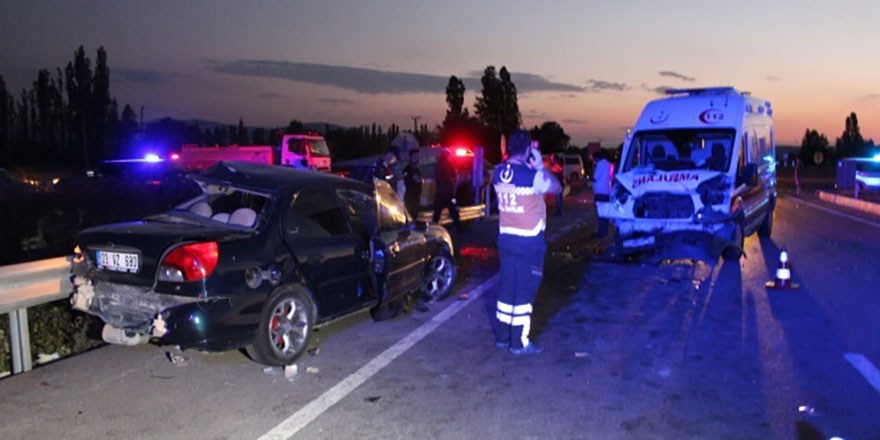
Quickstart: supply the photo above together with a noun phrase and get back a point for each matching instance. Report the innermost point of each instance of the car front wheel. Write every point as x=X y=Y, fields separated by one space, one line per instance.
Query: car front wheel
x=285 y=328
x=440 y=277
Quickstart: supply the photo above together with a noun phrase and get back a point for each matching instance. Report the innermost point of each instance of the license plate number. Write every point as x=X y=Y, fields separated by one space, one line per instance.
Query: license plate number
x=118 y=261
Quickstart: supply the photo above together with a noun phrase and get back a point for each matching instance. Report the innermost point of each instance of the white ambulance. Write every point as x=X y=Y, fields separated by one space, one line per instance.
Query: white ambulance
x=698 y=167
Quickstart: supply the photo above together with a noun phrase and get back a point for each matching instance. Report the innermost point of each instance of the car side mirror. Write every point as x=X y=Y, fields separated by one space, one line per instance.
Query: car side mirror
x=420 y=226
x=750 y=174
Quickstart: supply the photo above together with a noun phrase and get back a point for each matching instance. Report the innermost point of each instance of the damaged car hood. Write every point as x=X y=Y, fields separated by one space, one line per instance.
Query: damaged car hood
x=640 y=181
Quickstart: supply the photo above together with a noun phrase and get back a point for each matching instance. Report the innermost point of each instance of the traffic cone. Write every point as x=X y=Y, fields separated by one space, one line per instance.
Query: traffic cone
x=783 y=274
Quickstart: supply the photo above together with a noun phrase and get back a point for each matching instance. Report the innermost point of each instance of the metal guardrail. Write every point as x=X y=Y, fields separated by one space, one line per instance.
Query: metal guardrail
x=26 y=285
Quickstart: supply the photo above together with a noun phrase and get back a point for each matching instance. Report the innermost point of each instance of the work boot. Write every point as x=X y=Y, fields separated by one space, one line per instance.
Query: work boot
x=502 y=344
x=532 y=348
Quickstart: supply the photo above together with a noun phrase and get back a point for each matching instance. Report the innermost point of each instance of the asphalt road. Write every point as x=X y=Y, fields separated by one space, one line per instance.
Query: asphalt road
x=675 y=349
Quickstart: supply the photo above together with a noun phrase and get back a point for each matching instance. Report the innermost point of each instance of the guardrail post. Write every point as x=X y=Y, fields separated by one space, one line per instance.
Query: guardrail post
x=21 y=341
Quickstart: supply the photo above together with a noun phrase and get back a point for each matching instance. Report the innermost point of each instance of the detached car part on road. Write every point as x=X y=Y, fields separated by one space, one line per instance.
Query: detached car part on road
x=264 y=255
x=698 y=167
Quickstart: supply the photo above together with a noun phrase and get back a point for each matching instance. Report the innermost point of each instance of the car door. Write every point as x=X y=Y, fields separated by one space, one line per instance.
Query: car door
x=404 y=248
x=334 y=259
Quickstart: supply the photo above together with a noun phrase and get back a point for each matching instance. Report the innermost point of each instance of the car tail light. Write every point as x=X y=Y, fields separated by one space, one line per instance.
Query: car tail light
x=189 y=262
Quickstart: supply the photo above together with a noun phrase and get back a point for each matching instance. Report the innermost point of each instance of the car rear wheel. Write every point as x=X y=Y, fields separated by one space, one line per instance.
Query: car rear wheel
x=735 y=250
x=440 y=277
x=285 y=328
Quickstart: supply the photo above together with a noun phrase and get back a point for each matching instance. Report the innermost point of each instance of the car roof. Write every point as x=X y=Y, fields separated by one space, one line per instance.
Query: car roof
x=272 y=178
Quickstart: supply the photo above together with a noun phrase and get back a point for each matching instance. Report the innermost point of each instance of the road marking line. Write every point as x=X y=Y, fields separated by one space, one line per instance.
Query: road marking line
x=835 y=212
x=315 y=408
x=866 y=368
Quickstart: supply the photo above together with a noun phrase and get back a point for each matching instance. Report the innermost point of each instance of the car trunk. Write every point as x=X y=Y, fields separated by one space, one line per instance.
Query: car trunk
x=148 y=241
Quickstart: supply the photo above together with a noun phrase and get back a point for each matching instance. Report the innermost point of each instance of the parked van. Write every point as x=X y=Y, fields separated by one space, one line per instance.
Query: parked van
x=699 y=164
x=573 y=167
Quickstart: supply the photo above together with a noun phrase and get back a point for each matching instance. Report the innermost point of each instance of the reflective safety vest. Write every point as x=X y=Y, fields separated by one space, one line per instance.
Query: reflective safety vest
x=521 y=209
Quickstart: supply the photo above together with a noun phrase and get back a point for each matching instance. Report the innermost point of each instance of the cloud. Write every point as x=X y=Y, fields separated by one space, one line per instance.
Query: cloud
x=270 y=95
x=598 y=85
x=659 y=89
x=372 y=81
x=532 y=114
x=677 y=75
x=773 y=78
x=141 y=76
x=337 y=101
x=575 y=121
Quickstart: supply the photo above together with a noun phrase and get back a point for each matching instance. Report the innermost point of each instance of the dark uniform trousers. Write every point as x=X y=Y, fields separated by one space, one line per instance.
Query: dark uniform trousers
x=522 y=268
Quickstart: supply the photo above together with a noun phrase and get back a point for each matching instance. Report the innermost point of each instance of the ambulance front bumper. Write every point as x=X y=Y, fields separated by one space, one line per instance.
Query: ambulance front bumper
x=644 y=233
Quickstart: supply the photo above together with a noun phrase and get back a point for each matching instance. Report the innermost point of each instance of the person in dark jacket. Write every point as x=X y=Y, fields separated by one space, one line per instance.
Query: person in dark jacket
x=384 y=167
x=412 y=178
x=444 y=194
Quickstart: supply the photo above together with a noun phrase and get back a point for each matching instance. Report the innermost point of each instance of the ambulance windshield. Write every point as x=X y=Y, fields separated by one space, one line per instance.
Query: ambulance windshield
x=681 y=149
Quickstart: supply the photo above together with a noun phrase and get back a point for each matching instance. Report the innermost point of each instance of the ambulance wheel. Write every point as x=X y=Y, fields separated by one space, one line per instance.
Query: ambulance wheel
x=735 y=250
x=766 y=227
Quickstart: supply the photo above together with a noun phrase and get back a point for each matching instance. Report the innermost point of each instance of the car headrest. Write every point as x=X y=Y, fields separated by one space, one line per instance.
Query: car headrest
x=203 y=209
x=658 y=153
x=222 y=217
x=243 y=217
x=718 y=149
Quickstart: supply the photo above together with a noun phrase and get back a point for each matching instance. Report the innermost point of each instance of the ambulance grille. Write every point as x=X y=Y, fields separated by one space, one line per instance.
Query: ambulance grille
x=664 y=205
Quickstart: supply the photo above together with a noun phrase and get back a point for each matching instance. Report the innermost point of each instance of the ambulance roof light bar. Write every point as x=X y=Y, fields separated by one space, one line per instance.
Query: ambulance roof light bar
x=701 y=91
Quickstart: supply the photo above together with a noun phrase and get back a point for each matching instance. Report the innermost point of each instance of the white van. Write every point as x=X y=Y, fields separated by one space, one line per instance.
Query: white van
x=698 y=164
x=573 y=167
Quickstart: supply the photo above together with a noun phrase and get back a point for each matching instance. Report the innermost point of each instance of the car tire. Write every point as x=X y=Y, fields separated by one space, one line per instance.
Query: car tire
x=731 y=252
x=285 y=328
x=440 y=275
x=766 y=227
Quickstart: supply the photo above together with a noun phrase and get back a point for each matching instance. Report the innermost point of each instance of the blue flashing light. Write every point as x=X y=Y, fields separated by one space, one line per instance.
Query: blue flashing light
x=877 y=158
x=152 y=158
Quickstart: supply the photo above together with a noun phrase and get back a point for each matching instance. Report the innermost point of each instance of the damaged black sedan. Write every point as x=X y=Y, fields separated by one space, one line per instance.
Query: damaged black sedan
x=257 y=261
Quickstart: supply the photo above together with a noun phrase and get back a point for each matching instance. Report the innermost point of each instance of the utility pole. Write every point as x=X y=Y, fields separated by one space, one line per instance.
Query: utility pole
x=415 y=123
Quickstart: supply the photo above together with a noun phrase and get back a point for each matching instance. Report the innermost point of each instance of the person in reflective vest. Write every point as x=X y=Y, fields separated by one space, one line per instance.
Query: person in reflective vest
x=520 y=183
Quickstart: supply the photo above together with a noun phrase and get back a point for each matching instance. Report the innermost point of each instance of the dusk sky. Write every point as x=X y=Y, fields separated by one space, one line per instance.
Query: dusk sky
x=590 y=66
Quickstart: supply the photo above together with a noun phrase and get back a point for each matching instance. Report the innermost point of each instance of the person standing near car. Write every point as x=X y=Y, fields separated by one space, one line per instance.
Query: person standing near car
x=520 y=183
x=412 y=178
x=384 y=169
x=602 y=188
x=444 y=191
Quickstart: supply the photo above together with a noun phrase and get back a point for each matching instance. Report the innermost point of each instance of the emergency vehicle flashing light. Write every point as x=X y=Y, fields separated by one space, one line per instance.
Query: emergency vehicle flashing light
x=152 y=158
x=175 y=156
x=461 y=152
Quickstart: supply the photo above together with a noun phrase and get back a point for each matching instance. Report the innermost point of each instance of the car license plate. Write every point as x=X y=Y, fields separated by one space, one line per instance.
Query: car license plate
x=118 y=261
x=639 y=242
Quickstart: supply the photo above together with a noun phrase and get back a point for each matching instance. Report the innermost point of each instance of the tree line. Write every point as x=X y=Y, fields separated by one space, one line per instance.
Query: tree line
x=851 y=143
x=67 y=117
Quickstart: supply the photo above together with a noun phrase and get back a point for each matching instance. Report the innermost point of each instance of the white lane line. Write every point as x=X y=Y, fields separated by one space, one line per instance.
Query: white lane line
x=866 y=368
x=315 y=408
x=834 y=211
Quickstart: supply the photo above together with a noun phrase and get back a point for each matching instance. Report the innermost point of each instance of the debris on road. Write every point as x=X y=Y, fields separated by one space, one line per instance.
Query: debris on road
x=290 y=371
x=580 y=354
x=312 y=370
x=463 y=296
x=373 y=399
x=177 y=358
x=314 y=351
x=272 y=371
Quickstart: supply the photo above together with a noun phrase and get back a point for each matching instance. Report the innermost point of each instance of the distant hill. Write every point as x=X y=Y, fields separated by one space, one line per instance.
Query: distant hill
x=203 y=124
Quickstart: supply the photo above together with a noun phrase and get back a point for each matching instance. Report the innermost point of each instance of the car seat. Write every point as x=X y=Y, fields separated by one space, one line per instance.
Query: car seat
x=243 y=217
x=222 y=217
x=658 y=153
x=203 y=209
